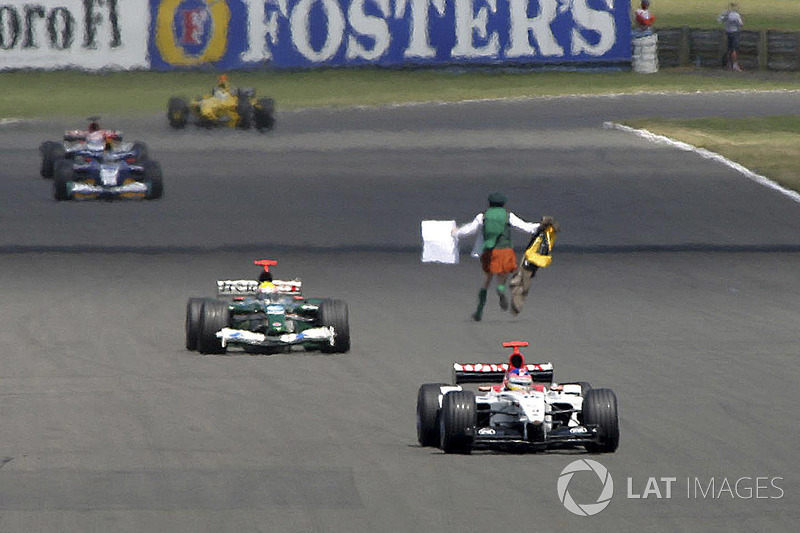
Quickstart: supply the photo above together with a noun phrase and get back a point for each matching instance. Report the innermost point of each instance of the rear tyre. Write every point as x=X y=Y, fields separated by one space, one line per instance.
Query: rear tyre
x=457 y=421
x=194 y=308
x=600 y=409
x=245 y=111
x=140 y=151
x=177 y=112
x=264 y=114
x=214 y=315
x=428 y=414
x=51 y=153
x=335 y=313
x=62 y=176
x=153 y=180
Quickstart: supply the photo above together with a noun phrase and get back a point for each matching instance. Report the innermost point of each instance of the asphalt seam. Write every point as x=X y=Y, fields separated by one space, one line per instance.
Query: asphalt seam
x=705 y=154
x=509 y=99
x=546 y=97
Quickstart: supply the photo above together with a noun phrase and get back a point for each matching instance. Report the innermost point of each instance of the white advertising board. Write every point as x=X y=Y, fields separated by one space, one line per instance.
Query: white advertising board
x=86 y=34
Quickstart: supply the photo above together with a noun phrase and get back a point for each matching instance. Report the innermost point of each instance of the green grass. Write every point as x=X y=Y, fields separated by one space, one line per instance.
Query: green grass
x=757 y=14
x=769 y=146
x=41 y=94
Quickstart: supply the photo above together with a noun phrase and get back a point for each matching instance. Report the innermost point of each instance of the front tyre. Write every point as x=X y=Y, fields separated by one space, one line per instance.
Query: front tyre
x=63 y=176
x=600 y=410
x=245 y=111
x=264 y=114
x=177 y=112
x=194 y=308
x=334 y=313
x=457 y=422
x=51 y=153
x=428 y=413
x=153 y=180
x=214 y=316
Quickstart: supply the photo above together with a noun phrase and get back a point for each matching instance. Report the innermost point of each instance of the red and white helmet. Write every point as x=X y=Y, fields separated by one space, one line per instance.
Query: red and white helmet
x=518 y=379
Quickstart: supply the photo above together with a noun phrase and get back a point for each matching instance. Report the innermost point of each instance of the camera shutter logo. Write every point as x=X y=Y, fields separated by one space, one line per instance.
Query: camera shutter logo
x=587 y=509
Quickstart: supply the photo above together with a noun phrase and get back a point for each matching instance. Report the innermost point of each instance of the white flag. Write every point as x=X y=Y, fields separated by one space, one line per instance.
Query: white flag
x=438 y=243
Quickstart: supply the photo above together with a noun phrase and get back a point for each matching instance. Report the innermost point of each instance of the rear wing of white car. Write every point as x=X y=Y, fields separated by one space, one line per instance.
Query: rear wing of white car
x=248 y=287
x=494 y=372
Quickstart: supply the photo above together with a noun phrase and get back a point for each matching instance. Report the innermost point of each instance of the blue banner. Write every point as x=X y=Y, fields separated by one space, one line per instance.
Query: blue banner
x=231 y=34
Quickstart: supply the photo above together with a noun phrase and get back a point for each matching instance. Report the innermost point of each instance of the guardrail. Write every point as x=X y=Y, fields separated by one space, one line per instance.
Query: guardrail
x=758 y=50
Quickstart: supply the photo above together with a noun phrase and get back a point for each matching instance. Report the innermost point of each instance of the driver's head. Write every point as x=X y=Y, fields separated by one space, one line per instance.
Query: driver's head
x=518 y=379
x=94 y=126
x=266 y=290
x=95 y=142
x=222 y=81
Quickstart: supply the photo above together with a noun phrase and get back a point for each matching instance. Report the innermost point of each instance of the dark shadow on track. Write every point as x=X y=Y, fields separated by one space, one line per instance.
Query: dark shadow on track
x=288 y=248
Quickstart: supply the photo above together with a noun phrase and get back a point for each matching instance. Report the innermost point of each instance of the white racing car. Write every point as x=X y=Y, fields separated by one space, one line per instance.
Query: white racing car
x=523 y=409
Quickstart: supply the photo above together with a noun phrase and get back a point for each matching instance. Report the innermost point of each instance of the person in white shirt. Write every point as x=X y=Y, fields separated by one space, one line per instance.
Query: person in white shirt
x=733 y=23
x=497 y=257
x=644 y=19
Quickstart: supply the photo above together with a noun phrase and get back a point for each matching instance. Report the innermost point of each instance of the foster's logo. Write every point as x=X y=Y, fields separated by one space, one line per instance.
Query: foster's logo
x=192 y=32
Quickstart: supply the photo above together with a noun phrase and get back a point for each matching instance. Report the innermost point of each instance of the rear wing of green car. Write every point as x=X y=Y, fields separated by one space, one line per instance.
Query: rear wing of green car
x=249 y=287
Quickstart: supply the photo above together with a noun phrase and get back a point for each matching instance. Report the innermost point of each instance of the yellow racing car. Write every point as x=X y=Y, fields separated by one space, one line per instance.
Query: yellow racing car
x=224 y=106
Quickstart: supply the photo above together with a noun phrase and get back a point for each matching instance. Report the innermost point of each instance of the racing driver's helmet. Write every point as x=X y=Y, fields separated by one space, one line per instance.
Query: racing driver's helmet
x=518 y=379
x=95 y=141
x=266 y=290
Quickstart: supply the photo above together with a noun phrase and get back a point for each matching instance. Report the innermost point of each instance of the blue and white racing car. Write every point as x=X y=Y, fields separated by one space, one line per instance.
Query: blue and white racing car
x=97 y=169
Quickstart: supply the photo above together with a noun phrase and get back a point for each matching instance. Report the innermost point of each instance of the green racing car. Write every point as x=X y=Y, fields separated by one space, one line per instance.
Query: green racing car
x=266 y=316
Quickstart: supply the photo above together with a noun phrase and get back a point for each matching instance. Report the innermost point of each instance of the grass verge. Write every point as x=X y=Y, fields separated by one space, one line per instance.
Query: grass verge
x=757 y=14
x=769 y=146
x=29 y=94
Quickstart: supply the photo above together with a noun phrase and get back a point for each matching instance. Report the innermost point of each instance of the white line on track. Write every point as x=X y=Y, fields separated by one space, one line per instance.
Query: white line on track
x=706 y=154
x=9 y=121
x=511 y=99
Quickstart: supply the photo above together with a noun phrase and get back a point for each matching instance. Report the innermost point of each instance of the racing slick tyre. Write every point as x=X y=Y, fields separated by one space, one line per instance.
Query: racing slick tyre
x=214 y=316
x=245 y=111
x=153 y=180
x=457 y=421
x=177 y=112
x=264 y=114
x=141 y=153
x=428 y=414
x=600 y=409
x=51 y=152
x=62 y=176
x=193 y=309
x=335 y=313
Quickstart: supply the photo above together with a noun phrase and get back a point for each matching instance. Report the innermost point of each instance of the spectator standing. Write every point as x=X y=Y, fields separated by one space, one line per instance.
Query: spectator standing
x=733 y=23
x=644 y=20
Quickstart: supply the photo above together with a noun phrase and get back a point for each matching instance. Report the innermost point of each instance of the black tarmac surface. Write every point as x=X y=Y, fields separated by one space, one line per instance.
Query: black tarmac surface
x=675 y=283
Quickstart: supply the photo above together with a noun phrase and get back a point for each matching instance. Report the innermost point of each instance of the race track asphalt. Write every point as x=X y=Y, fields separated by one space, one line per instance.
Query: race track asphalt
x=675 y=283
